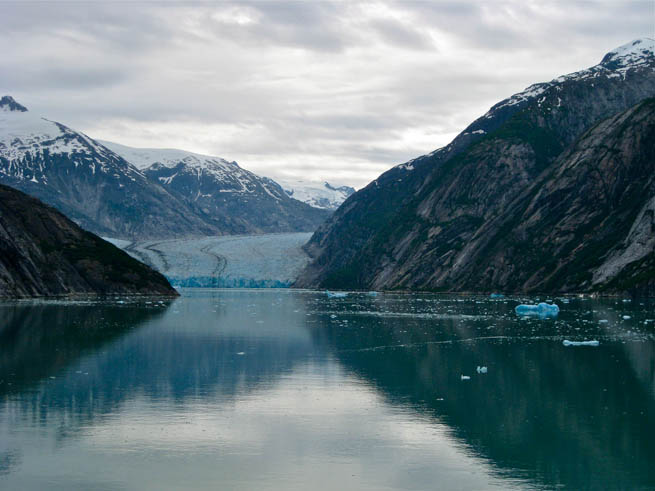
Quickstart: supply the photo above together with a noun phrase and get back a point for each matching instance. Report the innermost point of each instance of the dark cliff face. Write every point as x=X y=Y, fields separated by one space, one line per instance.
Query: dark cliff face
x=575 y=227
x=416 y=226
x=43 y=253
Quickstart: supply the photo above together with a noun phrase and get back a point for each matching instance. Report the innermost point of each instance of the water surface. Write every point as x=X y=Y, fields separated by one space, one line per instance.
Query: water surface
x=291 y=390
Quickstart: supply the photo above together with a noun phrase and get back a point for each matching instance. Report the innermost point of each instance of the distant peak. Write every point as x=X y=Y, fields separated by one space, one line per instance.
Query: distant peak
x=7 y=103
x=633 y=53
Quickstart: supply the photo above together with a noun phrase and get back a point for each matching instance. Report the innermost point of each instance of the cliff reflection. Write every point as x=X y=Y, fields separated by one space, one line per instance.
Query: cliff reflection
x=578 y=418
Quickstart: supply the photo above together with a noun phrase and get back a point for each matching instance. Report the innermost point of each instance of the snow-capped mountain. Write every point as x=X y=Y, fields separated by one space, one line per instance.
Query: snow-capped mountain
x=317 y=194
x=175 y=194
x=85 y=180
x=230 y=196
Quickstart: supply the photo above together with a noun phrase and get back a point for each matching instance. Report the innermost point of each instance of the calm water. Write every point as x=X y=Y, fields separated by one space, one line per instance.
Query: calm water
x=287 y=390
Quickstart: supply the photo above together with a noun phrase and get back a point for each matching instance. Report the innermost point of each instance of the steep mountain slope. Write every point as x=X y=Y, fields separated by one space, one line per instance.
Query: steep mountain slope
x=86 y=181
x=318 y=195
x=413 y=227
x=575 y=228
x=42 y=253
x=231 y=198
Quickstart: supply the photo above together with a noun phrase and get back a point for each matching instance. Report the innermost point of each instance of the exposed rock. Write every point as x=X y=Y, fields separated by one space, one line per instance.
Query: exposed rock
x=43 y=253
x=431 y=223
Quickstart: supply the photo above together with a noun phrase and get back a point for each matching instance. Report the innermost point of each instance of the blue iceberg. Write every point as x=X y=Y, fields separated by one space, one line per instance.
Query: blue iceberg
x=542 y=310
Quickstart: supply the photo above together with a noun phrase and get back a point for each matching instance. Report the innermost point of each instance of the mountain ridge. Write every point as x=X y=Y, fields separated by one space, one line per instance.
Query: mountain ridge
x=228 y=195
x=415 y=220
x=105 y=193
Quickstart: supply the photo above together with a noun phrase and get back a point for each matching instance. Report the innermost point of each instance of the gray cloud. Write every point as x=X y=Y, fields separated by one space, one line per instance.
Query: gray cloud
x=324 y=89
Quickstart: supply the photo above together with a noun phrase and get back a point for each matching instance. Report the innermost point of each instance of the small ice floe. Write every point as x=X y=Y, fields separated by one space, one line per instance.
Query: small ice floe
x=626 y=317
x=593 y=342
x=333 y=316
x=336 y=294
x=496 y=295
x=481 y=369
x=372 y=294
x=603 y=321
x=241 y=353
x=464 y=377
x=542 y=310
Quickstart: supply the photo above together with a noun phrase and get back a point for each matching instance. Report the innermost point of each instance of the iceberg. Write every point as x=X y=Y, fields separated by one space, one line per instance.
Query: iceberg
x=481 y=369
x=336 y=294
x=496 y=295
x=594 y=342
x=542 y=310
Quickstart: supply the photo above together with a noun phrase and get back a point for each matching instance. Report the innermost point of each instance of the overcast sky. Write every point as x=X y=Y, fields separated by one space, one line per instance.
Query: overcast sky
x=325 y=90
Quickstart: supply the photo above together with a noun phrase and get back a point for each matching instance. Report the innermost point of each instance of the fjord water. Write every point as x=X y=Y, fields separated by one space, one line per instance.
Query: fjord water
x=281 y=389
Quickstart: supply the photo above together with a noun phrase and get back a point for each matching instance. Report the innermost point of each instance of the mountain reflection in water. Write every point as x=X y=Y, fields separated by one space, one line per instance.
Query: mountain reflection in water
x=291 y=389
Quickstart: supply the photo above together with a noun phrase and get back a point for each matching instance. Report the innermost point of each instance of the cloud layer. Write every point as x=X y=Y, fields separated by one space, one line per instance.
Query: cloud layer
x=324 y=90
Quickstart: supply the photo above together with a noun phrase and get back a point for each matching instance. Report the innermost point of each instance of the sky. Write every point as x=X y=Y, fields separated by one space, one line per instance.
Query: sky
x=338 y=91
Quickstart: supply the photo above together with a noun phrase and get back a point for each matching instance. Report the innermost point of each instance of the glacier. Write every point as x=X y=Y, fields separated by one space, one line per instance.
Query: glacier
x=232 y=261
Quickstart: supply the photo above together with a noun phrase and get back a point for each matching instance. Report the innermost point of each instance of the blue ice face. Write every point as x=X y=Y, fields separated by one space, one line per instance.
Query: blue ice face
x=541 y=310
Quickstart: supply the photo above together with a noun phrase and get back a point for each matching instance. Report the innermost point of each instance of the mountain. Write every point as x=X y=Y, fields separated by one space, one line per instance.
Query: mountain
x=175 y=194
x=43 y=253
x=437 y=222
x=316 y=194
x=96 y=188
x=231 y=198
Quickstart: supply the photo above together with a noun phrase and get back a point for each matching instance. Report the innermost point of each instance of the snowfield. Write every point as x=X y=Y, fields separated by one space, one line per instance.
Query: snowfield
x=317 y=194
x=246 y=261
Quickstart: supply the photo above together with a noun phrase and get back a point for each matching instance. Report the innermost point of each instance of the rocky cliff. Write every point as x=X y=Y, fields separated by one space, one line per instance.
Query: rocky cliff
x=456 y=219
x=43 y=253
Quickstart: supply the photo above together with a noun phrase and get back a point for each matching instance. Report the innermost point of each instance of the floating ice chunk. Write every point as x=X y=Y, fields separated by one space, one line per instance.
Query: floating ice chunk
x=481 y=369
x=626 y=317
x=496 y=295
x=336 y=294
x=241 y=353
x=465 y=377
x=594 y=342
x=333 y=316
x=540 y=310
x=603 y=321
x=372 y=294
